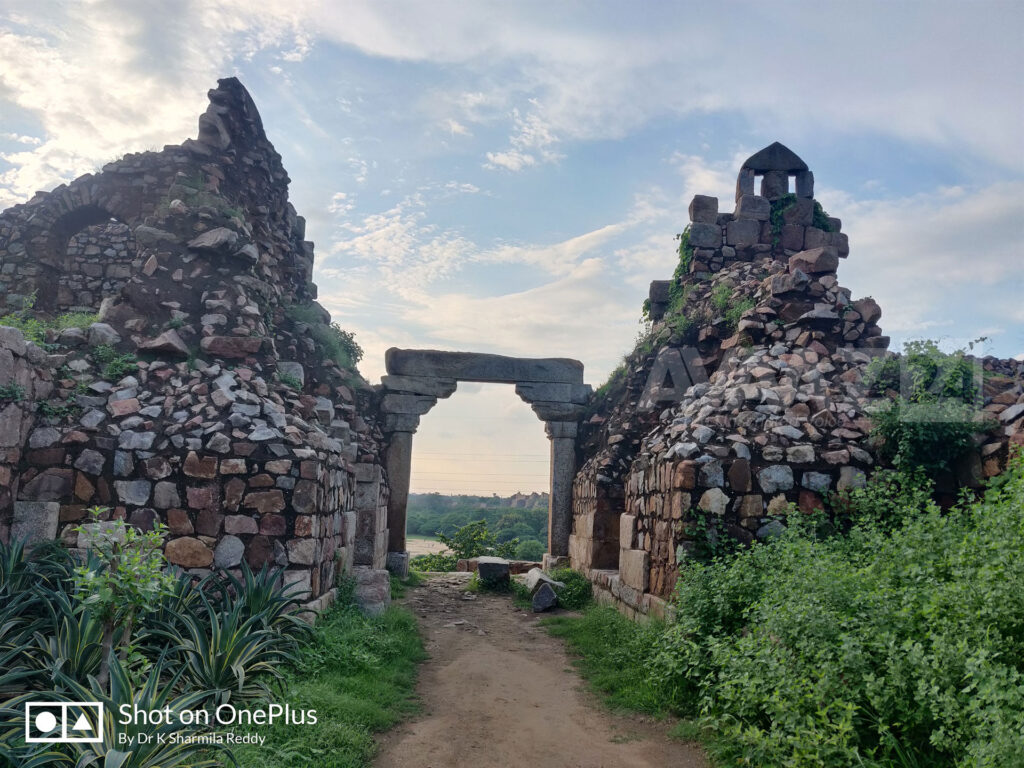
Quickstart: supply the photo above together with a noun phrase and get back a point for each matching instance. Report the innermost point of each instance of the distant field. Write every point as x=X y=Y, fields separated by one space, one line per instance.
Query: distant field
x=423 y=545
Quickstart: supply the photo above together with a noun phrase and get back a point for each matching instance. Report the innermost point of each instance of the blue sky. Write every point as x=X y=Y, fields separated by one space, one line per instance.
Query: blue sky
x=508 y=177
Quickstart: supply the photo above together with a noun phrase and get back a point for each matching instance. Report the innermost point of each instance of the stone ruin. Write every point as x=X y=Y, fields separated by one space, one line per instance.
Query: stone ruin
x=738 y=417
x=553 y=387
x=202 y=395
x=221 y=417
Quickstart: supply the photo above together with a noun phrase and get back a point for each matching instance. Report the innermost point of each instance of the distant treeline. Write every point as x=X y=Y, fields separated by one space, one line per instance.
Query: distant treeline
x=432 y=513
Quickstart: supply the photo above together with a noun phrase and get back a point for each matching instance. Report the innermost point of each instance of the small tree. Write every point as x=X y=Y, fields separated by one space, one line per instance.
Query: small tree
x=126 y=578
x=476 y=539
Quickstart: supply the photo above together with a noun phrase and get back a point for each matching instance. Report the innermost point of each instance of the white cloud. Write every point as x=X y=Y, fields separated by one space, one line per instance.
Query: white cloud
x=341 y=203
x=19 y=139
x=455 y=128
x=115 y=76
x=948 y=259
x=513 y=160
x=531 y=143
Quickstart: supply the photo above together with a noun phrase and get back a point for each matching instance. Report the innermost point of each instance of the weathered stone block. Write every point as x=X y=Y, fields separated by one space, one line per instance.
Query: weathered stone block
x=241 y=524
x=302 y=551
x=188 y=552
x=704 y=209
x=34 y=521
x=134 y=492
x=265 y=502
x=627 y=531
x=742 y=233
x=472 y=366
x=705 y=235
x=373 y=590
x=634 y=568
x=53 y=484
x=231 y=347
x=420 y=385
x=792 y=237
x=228 y=553
x=493 y=570
x=715 y=501
x=815 y=261
x=544 y=599
x=777 y=477
x=204 y=467
x=753 y=207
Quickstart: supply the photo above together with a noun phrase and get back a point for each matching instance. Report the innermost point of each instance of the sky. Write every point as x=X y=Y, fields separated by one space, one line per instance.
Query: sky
x=509 y=176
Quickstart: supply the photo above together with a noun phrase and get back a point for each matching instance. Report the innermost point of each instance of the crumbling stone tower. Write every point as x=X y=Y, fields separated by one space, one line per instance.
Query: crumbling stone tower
x=225 y=417
x=748 y=396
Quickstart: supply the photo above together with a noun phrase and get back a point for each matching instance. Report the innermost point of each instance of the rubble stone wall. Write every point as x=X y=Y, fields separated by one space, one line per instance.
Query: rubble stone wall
x=203 y=398
x=766 y=409
x=24 y=380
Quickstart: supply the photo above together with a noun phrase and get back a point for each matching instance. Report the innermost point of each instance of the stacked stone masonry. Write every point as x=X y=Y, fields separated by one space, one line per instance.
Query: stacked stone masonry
x=221 y=417
x=760 y=411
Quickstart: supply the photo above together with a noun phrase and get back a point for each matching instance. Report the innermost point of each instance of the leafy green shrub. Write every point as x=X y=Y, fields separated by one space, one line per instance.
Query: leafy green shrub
x=52 y=409
x=531 y=549
x=736 y=310
x=334 y=342
x=113 y=366
x=933 y=415
x=12 y=392
x=472 y=540
x=901 y=639
x=34 y=329
x=289 y=381
x=74 y=320
x=435 y=561
x=685 y=251
x=129 y=578
x=577 y=593
x=475 y=540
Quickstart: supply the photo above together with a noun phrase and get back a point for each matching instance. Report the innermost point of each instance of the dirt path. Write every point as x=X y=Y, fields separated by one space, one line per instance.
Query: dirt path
x=499 y=691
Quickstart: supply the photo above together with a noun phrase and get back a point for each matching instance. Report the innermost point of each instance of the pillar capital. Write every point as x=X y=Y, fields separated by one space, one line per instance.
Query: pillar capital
x=401 y=422
x=556 y=429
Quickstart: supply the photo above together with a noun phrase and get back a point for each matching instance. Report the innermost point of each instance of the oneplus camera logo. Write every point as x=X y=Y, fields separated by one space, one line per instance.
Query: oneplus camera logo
x=64 y=722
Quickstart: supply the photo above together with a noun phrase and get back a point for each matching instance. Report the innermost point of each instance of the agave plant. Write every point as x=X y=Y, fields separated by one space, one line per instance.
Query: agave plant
x=264 y=596
x=166 y=745
x=225 y=653
x=181 y=599
x=71 y=642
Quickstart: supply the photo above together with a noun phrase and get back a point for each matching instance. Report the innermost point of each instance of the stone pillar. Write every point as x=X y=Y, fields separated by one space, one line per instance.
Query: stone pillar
x=563 y=470
x=774 y=184
x=745 y=183
x=398 y=463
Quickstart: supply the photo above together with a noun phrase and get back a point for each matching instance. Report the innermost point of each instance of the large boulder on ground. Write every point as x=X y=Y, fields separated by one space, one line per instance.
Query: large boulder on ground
x=544 y=599
x=493 y=571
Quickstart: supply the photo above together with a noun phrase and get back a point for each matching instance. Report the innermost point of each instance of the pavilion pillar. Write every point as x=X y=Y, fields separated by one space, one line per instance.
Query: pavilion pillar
x=563 y=469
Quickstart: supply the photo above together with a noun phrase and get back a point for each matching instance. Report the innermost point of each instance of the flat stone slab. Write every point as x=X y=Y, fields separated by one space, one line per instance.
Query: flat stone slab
x=535 y=578
x=478 y=366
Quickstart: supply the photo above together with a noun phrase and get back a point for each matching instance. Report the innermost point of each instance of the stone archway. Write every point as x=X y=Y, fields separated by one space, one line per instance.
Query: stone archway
x=416 y=378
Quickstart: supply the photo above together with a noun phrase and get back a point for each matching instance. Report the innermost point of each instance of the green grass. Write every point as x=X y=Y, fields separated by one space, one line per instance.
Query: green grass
x=399 y=586
x=358 y=674
x=612 y=651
